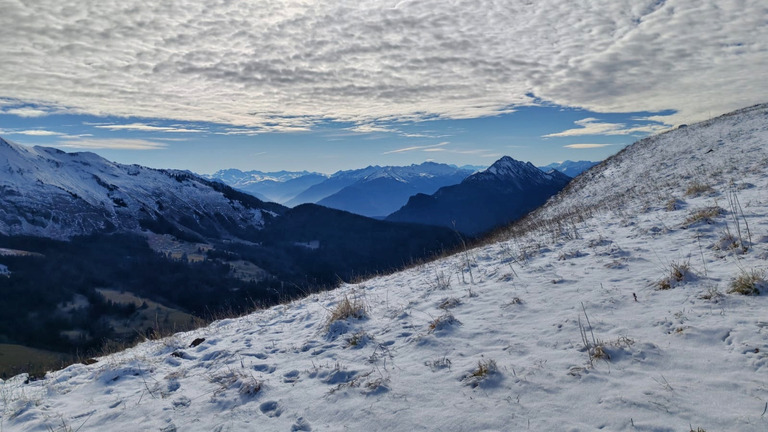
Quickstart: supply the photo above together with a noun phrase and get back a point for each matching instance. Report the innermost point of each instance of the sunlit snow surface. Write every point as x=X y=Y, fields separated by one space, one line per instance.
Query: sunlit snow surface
x=691 y=356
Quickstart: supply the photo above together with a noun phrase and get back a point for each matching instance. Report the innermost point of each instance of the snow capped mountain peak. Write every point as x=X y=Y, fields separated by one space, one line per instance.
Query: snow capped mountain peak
x=508 y=167
x=52 y=193
x=514 y=172
x=406 y=173
x=237 y=178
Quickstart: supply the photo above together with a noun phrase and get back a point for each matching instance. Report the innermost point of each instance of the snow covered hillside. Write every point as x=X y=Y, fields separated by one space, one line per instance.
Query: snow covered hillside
x=609 y=309
x=50 y=193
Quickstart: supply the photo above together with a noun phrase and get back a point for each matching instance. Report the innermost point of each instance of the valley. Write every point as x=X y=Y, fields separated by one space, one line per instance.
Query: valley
x=96 y=254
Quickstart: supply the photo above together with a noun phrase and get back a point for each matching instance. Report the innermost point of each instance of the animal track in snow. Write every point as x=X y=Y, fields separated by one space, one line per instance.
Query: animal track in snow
x=264 y=368
x=271 y=409
x=291 y=377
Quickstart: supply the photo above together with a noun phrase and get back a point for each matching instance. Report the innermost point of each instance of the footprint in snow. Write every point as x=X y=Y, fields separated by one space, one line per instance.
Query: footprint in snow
x=291 y=377
x=181 y=402
x=300 y=425
x=214 y=355
x=271 y=409
x=309 y=345
x=264 y=368
x=260 y=356
x=173 y=385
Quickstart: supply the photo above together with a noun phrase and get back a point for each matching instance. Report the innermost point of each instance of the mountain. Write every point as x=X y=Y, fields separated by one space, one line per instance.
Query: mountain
x=560 y=322
x=505 y=191
x=386 y=189
x=473 y=168
x=191 y=247
x=569 y=168
x=377 y=191
x=47 y=192
x=279 y=186
x=331 y=185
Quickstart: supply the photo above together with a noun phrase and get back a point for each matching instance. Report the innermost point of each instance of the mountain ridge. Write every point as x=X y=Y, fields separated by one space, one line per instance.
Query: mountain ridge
x=88 y=194
x=485 y=200
x=386 y=189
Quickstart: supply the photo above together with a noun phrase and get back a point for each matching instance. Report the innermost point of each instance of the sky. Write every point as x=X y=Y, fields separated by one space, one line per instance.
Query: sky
x=330 y=85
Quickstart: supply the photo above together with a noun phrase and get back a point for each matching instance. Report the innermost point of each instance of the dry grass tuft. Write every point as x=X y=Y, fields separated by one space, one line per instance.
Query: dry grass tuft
x=345 y=309
x=442 y=322
x=358 y=339
x=704 y=215
x=678 y=272
x=485 y=368
x=698 y=189
x=674 y=204
x=748 y=283
x=449 y=303
x=442 y=281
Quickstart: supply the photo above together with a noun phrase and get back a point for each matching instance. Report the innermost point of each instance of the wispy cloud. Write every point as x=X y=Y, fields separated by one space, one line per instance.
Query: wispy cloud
x=112 y=144
x=593 y=126
x=26 y=112
x=252 y=64
x=239 y=131
x=30 y=132
x=427 y=148
x=366 y=128
x=144 y=127
x=586 y=146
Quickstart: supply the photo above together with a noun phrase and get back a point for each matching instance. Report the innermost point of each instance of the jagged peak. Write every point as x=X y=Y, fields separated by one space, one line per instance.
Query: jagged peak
x=507 y=168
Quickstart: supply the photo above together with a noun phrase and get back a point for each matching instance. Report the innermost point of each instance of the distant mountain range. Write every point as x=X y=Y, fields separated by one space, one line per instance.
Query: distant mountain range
x=569 y=168
x=279 y=186
x=383 y=190
x=374 y=191
x=485 y=200
x=84 y=223
x=49 y=193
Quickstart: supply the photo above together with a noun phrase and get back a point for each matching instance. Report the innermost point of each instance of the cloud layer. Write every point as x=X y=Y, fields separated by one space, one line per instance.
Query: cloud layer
x=286 y=65
x=112 y=144
x=592 y=126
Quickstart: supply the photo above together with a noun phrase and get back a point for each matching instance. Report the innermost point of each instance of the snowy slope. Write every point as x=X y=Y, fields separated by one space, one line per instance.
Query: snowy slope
x=693 y=356
x=47 y=192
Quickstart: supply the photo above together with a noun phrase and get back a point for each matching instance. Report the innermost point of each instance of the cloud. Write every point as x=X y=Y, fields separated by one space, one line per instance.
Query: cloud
x=143 y=127
x=592 y=126
x=586 y=146
x=27 y=112
x=112 y=144
x=32 y=132
x=426 y=148
x=367 y=128
x=289 y=65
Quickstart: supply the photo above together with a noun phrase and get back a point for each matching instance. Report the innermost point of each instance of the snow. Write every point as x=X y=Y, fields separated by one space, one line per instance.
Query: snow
x=52 y=193
x=236 y=178
x=522 y=307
